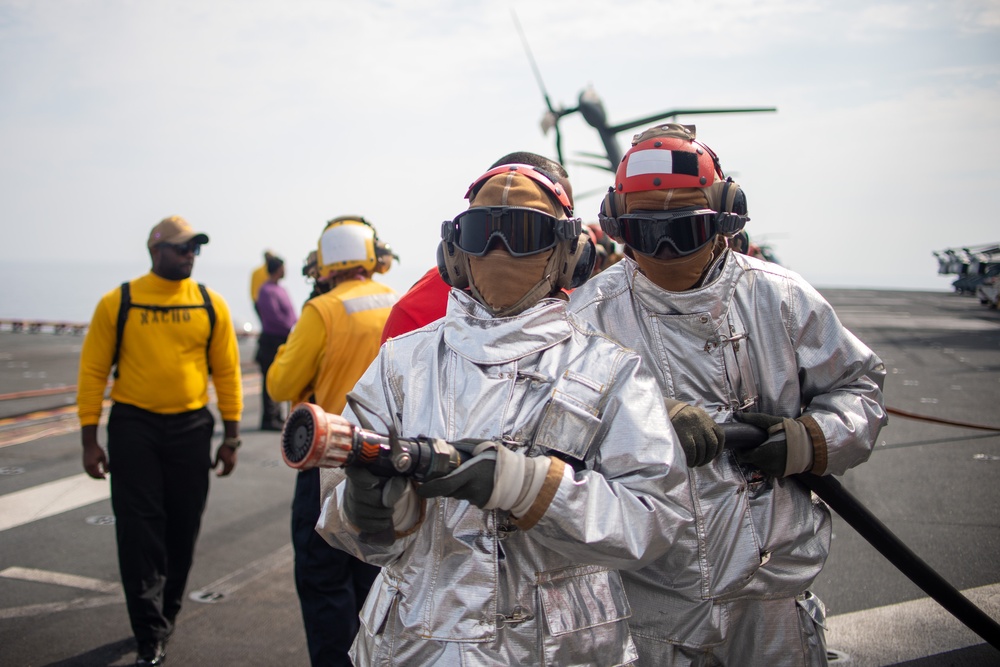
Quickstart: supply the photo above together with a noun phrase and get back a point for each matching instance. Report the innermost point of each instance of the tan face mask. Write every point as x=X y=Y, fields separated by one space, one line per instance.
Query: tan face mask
x=683 y=273
x=502 y=279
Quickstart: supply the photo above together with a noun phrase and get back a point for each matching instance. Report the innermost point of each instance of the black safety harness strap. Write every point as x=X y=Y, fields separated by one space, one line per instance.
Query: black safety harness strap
x=126 y=305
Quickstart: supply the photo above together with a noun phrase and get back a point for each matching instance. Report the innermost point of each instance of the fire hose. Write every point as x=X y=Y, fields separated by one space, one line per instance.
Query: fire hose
x=313 y=438
x=850 y=509
x=310 y=439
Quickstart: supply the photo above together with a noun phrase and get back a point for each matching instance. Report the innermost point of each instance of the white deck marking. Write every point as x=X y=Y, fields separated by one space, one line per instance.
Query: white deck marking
x=55 y=607
x=908 y=630
x=226 y=586
x=61 y=579
x=52 y=498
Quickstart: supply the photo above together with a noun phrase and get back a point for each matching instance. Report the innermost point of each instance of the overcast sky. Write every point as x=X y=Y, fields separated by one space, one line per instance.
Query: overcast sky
x=259 y=120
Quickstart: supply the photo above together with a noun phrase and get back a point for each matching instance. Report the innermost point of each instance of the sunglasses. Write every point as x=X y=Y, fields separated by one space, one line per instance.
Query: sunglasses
x=183 y=248
x=684 y=230
x=524 y=231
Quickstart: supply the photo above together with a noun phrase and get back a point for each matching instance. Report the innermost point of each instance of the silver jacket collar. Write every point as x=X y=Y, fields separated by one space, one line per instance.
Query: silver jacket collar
x=474 y=333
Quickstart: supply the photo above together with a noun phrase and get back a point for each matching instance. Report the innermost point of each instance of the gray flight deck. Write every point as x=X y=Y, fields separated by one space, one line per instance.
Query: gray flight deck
x=936 y=486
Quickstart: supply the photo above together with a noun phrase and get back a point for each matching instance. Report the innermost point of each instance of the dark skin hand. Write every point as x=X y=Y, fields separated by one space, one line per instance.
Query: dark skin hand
x=95 y=461
x=227 y=455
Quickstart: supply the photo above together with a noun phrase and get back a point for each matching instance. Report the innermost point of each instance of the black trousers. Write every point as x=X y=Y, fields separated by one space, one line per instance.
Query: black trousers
x=267 y=348
x=159 y=484
x=332 y=584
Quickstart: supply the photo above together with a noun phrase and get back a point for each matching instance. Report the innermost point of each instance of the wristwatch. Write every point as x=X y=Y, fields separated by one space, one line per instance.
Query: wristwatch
x=232 y=442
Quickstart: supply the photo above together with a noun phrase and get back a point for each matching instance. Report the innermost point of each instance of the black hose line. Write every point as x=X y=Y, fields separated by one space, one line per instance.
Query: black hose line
x=850 y=509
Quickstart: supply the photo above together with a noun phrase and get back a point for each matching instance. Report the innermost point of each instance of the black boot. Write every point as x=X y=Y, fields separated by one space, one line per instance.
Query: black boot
x=151 y=654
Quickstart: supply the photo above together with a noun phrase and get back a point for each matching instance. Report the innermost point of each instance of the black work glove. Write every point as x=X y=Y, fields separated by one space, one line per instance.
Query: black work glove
x=494 y=478
x=787 y=450
x=369 y=499
x=472 y=481
x=701 y=438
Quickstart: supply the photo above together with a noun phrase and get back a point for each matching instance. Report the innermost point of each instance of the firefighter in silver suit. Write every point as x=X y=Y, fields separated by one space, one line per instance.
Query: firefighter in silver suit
x=512 y=558
x=729 y=337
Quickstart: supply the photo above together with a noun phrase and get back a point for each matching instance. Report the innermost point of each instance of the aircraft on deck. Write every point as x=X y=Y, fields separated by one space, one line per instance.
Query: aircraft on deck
x=977 y=268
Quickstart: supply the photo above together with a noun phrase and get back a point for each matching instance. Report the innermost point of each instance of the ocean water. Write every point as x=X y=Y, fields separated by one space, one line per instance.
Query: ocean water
x=62 y=291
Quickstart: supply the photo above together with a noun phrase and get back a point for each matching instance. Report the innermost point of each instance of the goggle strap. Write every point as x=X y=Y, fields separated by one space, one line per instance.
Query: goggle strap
x=553 y=188
x=569 y=229
x=448 y=231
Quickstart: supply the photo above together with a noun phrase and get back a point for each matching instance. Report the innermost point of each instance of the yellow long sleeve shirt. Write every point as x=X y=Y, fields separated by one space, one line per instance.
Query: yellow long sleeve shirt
x=332 y=345
x=257 y=279
x=162 y=364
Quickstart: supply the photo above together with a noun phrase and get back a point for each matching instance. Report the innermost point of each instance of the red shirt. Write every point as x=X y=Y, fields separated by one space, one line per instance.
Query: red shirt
x=422 y=304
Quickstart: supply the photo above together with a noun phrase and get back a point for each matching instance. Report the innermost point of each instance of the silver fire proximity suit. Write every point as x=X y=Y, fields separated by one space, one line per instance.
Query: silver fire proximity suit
x=470 y=588
x=755 y=337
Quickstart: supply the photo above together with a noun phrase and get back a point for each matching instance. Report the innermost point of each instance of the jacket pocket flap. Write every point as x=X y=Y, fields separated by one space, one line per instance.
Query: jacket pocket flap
x=567 y=427
x=582 y=597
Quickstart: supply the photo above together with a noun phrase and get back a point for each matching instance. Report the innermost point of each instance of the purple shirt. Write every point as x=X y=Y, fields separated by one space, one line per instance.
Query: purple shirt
x=277 y=315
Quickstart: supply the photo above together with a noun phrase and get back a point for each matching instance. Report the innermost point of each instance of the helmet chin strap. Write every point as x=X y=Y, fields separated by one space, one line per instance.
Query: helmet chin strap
x=544 y=288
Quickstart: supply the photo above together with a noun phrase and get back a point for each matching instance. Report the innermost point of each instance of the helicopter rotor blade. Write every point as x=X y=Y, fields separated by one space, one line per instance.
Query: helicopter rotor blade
x=590 y=193
x=534 y=66
x=597 y=156
x=593 y=165
x=552 y=117
x=683 y=112
x=602 y=163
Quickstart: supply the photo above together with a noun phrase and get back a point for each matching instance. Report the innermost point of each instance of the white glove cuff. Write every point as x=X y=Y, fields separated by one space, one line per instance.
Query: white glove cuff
x=800 y=447
x=535 y=470
x=517 y=481
x=508 y=479
x=406 y=510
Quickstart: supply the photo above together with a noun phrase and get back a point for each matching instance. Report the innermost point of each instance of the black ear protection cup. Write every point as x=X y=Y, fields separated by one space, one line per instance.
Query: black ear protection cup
x=727 y=197
x=582 y=259
x=442 y=266
x=452 y=262
x=451 y=265
x=611 y=207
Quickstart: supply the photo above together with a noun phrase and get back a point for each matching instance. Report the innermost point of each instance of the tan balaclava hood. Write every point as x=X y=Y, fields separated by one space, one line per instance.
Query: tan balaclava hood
x=664 y=200
x=510 y=285
x=682 y=273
